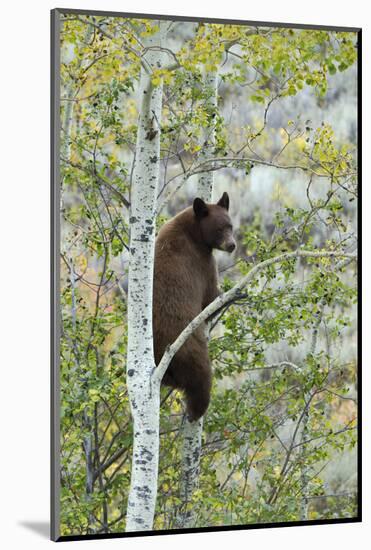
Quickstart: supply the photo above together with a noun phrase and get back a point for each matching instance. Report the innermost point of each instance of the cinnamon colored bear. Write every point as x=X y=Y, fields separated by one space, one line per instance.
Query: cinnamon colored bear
x=185 y=282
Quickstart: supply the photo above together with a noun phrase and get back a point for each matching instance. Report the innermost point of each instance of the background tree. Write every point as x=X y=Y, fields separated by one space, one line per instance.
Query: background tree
x=283 y=409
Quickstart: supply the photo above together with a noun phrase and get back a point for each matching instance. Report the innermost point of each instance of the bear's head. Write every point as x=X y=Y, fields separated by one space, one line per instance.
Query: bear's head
x=215 y=224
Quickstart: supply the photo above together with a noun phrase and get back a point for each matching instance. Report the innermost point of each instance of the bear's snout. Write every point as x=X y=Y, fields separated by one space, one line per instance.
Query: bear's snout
x=228 y=245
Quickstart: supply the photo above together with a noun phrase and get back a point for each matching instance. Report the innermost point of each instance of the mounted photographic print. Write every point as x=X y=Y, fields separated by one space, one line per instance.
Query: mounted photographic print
x=205 y=291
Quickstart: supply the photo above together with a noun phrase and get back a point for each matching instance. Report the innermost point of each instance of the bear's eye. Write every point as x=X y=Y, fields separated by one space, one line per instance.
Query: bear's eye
x=220 y=231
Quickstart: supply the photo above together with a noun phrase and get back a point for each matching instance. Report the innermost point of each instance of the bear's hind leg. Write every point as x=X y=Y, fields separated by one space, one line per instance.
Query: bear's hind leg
x=197 y=393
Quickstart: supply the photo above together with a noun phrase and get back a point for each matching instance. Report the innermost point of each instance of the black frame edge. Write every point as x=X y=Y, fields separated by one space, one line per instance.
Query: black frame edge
x=68 y=538
x=359 y=273
x=54 y=275
x=206 y=20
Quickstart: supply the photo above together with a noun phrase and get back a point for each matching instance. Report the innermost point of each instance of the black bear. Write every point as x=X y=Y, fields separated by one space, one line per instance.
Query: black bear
x=185 y=282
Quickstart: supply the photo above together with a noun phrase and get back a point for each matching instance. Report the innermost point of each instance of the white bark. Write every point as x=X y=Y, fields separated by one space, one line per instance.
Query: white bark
x=143 y=387
x=206 y=179
x=192 y=431
x=190 y=469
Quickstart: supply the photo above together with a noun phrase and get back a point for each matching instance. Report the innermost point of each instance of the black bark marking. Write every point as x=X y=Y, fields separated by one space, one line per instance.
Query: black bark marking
x=151 y=135
x=147 y=455
x=143 y=491
x=139 y=520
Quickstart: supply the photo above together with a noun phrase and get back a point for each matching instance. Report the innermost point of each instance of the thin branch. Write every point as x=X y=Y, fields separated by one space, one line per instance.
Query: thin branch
x=101 y=179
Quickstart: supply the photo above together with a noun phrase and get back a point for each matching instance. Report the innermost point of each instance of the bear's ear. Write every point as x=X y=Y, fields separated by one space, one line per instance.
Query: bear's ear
x=224 y=201
x=200 y=208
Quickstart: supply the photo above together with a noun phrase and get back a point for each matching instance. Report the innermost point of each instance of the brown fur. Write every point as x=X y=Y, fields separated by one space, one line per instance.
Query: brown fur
x=185 y=282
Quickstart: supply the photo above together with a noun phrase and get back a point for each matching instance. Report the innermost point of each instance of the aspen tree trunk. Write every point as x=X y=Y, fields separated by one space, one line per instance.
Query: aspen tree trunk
x=206 y=179
x=192 y=431
x=143 y=387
